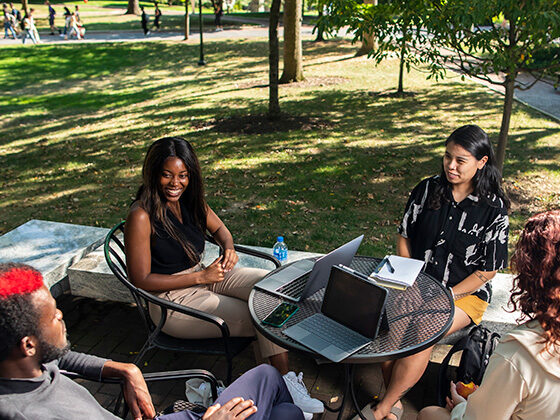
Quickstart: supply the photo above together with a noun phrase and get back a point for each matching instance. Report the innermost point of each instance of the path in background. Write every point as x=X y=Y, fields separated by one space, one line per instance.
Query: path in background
x=138 y=36
x=542 y=96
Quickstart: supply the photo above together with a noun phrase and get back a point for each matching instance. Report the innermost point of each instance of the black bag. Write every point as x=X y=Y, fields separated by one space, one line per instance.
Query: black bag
x=478 y=345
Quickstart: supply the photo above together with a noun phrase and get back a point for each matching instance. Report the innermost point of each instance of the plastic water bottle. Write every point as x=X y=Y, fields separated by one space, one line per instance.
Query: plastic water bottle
x=280 y=250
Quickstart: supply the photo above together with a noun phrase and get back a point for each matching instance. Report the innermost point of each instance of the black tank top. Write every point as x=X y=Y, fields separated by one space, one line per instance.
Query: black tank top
x=168 y=256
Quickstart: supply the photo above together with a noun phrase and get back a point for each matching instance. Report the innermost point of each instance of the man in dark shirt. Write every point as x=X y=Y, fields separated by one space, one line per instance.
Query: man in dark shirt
x=52 y=14
x=33 y=347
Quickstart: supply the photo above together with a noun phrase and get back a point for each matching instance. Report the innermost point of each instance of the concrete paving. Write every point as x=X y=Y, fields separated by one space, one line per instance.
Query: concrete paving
x=241 y=32
x=541 y=96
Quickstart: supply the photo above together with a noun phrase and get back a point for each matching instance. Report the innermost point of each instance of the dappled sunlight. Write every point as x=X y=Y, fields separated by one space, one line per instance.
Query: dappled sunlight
x=78 y=120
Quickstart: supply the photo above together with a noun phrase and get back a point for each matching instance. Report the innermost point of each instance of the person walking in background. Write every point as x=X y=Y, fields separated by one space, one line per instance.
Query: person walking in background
x=15 y=12
x=77 y=15
x=52 y=14
x=29 y=30
x=67 y=19
x=218 y=12
x=157 y=17
x=74 y=28
x=17 y=18
x=8 y=23
x=144 y=21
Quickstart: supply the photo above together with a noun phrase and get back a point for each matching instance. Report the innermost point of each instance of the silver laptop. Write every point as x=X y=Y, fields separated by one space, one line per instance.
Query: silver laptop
x=292 y=282
x=351 y=315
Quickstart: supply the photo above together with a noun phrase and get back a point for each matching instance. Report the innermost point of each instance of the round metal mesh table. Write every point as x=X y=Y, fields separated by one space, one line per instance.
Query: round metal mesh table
x=418 y=317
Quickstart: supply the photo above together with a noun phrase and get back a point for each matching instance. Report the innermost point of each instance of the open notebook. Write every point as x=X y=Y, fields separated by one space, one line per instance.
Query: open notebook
x=397 y=272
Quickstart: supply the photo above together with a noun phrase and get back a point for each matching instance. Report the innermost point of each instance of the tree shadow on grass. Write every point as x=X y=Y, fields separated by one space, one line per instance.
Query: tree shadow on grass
x=30 y=69
x=263 y=124
x=348 y=176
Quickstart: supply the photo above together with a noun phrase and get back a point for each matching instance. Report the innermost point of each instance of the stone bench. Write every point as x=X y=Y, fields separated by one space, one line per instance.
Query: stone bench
x=91 y=276
x=50 y=247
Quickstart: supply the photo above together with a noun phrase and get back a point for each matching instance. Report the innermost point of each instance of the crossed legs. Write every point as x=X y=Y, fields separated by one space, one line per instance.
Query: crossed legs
x=402 y=374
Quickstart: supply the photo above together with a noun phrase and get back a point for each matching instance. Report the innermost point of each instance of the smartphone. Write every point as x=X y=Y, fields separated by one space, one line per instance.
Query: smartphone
x=280 y=314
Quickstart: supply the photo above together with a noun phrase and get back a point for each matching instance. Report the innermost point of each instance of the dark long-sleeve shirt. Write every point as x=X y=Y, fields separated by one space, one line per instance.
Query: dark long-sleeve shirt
x=52 y=395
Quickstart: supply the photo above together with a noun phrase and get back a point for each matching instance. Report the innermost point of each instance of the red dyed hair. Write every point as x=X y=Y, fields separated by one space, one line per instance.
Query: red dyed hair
x=19 y=280
x=536 y=263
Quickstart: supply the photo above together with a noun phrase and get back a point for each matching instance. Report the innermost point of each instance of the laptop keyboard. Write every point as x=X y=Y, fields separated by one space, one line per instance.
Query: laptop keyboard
x=332 y=332
x=294 y=288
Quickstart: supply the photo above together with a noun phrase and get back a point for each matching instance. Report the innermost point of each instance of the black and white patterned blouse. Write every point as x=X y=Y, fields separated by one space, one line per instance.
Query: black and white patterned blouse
x=458 y=238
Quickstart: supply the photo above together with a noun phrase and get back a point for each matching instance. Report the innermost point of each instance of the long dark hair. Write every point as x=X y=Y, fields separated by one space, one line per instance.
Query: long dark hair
x=486 y=181
x=536 y=285
x=150 y=196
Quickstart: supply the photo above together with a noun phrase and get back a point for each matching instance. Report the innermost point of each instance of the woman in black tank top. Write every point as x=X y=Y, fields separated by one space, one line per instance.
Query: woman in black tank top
x=164 y=240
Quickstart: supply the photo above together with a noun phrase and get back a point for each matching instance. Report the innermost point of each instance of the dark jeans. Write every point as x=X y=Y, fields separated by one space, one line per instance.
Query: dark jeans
x=265 y=386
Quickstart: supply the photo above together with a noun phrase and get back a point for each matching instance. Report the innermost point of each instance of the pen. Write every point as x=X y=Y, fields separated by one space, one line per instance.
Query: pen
x=385 y=261
x=356 y=273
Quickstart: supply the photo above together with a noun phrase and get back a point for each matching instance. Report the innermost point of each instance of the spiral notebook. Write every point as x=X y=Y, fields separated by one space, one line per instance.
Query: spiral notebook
x=397 y=272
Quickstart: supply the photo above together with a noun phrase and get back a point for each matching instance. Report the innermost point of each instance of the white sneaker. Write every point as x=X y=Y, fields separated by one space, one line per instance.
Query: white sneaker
x=307 y=416
x=300 y=395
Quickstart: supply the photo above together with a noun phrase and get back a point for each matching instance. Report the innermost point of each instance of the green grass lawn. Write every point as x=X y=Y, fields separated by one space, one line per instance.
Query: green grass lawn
x=77 y=120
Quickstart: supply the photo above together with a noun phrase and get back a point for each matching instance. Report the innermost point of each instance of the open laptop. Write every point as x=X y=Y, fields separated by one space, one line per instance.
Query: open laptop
x=291 y=282
x=351 y=315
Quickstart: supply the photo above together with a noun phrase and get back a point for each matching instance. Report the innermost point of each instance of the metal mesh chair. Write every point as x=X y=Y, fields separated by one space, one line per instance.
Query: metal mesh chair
x=178 y=405
x=225 y=345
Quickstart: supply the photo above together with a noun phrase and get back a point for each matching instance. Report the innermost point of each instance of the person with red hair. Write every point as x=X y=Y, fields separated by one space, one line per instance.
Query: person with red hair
x=522 y=380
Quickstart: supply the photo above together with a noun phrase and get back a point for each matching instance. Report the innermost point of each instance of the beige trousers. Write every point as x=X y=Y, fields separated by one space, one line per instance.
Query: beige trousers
x=227 y=299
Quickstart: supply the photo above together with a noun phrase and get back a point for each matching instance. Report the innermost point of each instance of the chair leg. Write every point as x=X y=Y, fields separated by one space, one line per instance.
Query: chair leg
x=147 y=346
x=117 y=409
x=229 y=369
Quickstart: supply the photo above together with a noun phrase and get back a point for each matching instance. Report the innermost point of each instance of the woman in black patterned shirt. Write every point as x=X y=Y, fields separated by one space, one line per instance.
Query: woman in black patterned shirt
x=457 y=223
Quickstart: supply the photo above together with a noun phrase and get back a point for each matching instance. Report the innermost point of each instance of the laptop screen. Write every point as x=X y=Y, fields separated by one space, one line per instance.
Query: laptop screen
x=354 y=302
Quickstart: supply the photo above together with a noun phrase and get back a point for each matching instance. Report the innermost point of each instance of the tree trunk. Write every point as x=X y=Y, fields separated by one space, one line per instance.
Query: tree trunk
x=273 y=102
x=24 y=6
x=509 y=84
x=293 y=67
x=400 y=88
x=319 y=30
x=133 y=8
x=368 y=43
x=187 y=20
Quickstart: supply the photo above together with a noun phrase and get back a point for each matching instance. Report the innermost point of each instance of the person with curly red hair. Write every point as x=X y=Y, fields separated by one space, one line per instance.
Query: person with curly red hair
x=522 y=380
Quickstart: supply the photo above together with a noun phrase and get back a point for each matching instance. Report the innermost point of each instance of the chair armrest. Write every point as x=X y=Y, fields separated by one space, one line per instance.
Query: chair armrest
x=216 y=320
x=159 y=377
x=259 y=254
x=183 y=374
x=249 y=251
x=180 y=374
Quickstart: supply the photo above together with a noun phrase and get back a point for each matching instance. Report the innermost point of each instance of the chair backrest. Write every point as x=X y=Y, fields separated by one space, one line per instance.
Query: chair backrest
x=116 y=260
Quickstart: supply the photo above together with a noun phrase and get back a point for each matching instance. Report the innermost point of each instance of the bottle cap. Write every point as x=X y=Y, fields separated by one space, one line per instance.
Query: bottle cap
x=280 y=239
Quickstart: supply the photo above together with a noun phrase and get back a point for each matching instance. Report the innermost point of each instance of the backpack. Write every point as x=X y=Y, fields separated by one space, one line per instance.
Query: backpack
x=478 y=345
